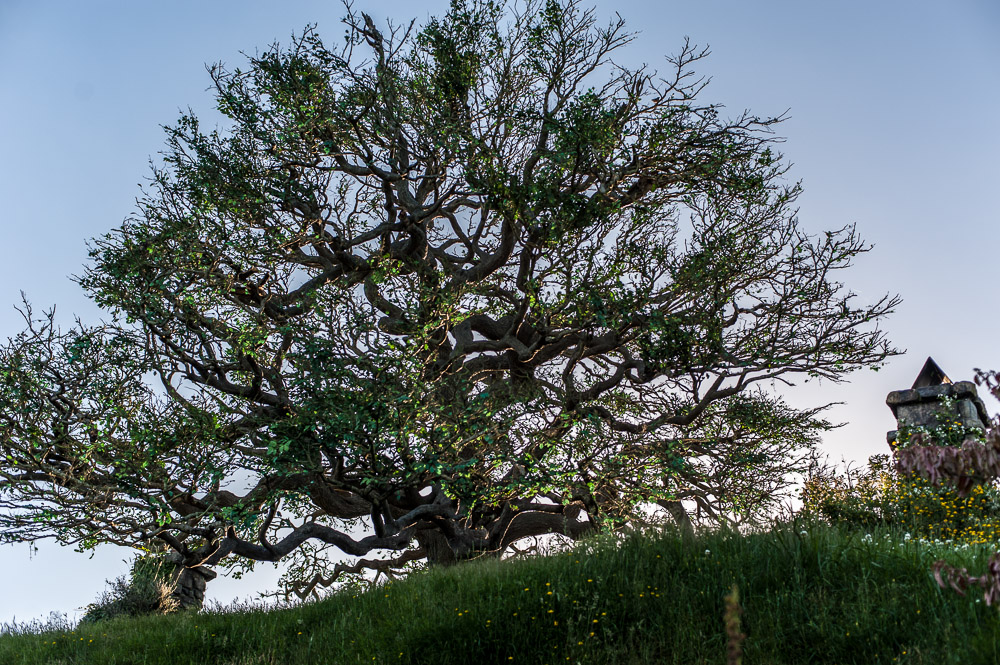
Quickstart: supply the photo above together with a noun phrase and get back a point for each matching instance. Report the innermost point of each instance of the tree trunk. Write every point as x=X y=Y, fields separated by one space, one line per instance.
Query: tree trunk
x=681 y=518
x=189 y=584
x=439 y=551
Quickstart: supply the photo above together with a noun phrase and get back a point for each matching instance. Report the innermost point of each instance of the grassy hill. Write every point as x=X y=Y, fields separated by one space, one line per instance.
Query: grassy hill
x=810 y=594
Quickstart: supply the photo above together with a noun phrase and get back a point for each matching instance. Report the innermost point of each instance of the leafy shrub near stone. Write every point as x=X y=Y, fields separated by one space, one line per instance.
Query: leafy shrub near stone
x=148 y=589
x=880 y=496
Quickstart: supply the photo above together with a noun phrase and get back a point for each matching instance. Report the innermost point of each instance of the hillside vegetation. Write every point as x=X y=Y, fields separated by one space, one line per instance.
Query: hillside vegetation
x=810 y=594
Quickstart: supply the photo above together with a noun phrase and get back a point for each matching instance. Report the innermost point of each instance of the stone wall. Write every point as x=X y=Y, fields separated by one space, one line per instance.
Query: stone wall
x=923 y=406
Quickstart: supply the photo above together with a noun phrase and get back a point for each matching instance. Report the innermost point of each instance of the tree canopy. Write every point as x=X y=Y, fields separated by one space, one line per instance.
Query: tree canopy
x=427 y=294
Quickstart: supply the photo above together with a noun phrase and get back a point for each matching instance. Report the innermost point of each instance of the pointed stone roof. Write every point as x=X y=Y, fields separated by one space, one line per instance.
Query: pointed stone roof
x=930 y=375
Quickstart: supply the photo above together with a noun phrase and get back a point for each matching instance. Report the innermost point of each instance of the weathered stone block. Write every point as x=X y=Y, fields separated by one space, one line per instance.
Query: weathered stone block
x=923 y=406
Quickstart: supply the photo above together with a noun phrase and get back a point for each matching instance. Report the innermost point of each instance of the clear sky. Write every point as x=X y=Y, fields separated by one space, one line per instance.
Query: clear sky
x=893 y=104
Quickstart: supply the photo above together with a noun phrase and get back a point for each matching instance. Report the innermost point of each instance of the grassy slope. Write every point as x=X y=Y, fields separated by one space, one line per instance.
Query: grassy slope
x=826 y=596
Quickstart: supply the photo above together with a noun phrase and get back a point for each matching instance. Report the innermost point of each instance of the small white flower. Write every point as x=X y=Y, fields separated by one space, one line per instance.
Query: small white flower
x=802 y=533
x=708 y=552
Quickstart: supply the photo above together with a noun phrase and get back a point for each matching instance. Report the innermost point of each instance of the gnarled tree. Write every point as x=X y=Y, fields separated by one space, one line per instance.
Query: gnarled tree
x=456 y=286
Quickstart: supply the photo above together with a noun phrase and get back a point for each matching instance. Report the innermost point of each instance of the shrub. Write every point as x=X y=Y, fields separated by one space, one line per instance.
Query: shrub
x=148 y=589
x=880 y=495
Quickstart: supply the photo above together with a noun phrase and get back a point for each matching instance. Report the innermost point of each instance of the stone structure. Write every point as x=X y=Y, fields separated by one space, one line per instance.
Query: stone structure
x=922 y=406
x=189 y=583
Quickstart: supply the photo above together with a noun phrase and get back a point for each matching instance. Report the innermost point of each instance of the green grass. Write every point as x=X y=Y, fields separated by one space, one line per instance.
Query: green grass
x=810 y=594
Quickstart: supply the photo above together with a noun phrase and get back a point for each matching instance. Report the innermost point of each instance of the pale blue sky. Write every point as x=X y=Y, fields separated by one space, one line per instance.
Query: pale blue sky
x=894 y=109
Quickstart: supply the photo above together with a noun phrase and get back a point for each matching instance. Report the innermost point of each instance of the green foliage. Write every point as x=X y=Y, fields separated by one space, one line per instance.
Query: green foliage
x=747 y=449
